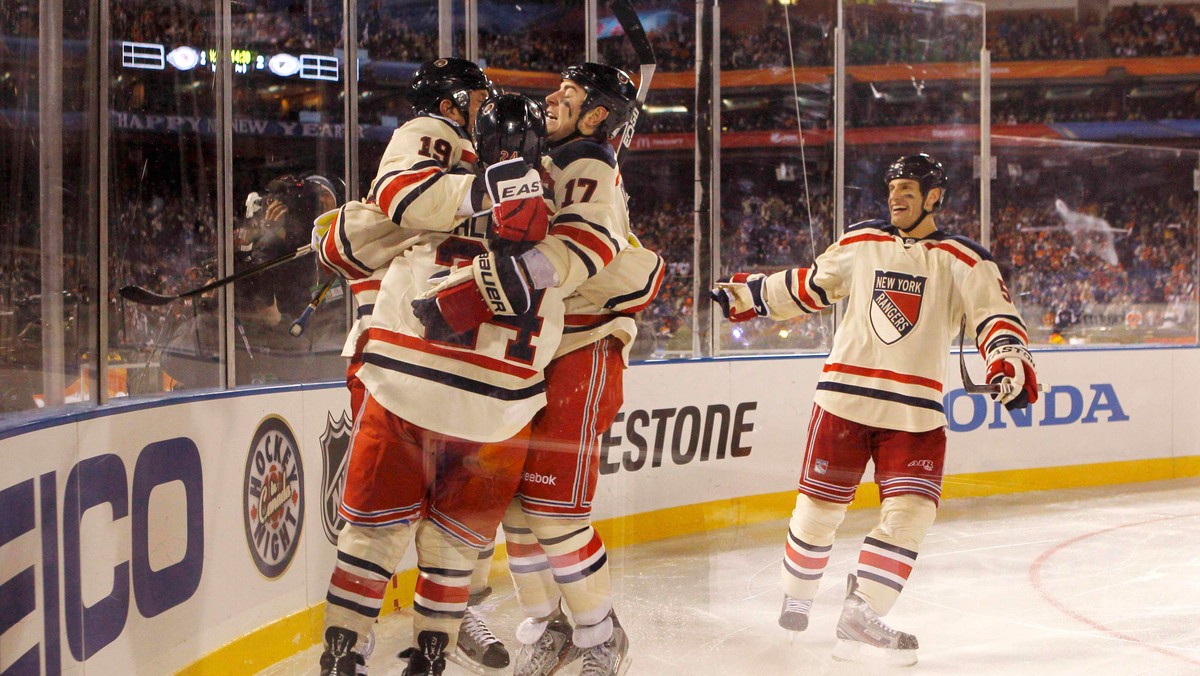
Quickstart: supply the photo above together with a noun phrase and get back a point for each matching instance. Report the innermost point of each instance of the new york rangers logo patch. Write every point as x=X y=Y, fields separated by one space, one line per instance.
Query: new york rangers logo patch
x=895 y=304
x=335 y=443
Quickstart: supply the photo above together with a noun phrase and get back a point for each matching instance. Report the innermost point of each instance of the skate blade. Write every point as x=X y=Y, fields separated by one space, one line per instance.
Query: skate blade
x=460 y=658
x=861 y=653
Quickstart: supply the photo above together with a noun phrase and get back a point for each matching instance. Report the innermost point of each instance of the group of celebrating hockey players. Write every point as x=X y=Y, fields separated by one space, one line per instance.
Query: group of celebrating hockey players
x=496 y=278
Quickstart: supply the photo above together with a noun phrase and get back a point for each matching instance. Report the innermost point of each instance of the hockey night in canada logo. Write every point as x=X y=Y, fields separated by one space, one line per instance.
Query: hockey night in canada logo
x=895 y=304
x=273 y=506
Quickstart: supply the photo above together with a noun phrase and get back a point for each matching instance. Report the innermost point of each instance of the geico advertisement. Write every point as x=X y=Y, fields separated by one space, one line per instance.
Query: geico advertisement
x=151 y=538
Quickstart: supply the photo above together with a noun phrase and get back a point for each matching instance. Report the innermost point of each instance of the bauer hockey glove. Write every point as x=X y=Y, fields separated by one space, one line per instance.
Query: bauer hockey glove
x=741 y=296
x=492 y=285
x=519 y=213
x=1011 y=366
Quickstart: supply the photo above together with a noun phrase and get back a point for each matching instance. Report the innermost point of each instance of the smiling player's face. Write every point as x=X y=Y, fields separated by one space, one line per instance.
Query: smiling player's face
x=562 y=110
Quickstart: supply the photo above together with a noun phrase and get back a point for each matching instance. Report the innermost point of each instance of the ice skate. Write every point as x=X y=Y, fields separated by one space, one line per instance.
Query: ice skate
x=428 y=658
x=610 y=658
x=478 y=648
x=364 y=654
x=545 y=654
x=794 y=615
x=339 y=657
x=862 y=634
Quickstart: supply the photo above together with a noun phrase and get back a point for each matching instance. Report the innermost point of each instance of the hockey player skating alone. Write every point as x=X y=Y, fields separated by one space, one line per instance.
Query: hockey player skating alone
x=879 y=397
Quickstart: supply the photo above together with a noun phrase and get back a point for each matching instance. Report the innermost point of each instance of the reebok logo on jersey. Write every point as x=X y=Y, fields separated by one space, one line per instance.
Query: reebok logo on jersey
x=926 y=465
x=545 y=479
x=895 y=304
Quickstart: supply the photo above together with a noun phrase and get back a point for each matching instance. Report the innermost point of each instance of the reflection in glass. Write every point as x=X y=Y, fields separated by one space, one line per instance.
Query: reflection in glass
x=287 y=170
x=162 y=193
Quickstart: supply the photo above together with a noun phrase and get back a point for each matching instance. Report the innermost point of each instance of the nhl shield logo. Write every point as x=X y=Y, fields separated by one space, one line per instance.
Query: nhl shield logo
x=821 y=466
x=335 y=446
x=895 y=304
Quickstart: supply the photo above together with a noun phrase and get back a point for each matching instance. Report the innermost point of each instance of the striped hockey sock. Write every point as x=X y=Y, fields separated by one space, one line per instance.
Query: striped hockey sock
x=803 y=566
x=441 y=593
x=481 y=573
x=883 y=570
x=444 y=567
x=365 y=560
x=537 y=593
x=580 y=565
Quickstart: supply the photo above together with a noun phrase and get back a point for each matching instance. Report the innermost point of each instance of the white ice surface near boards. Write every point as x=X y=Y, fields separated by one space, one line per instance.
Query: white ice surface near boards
x=1087 y=582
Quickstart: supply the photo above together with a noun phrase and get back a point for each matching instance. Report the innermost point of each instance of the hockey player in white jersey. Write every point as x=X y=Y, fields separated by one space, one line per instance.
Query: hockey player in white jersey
x=409 y=460
x=426 y=181
x=555 y=555
x=879 y=397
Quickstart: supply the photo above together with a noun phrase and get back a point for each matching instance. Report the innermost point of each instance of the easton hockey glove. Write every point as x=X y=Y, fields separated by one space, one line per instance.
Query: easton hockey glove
x=741 y=296
x=519 y=213
x=1011 y=366
x=492 y=285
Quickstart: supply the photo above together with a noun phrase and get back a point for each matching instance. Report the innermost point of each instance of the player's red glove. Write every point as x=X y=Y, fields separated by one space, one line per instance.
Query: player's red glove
x=519 y=213
x=492 y=285
x=741 y=296
x=1011 y=365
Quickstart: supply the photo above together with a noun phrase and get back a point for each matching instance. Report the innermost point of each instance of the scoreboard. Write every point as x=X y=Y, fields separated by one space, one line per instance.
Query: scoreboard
x=154 y=56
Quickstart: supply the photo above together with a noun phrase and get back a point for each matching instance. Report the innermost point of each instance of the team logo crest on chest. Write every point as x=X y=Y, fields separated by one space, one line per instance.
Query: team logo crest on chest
x=895 y=304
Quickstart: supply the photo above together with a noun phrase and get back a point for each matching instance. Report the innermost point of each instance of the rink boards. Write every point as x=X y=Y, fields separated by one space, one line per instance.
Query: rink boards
x=194 y=533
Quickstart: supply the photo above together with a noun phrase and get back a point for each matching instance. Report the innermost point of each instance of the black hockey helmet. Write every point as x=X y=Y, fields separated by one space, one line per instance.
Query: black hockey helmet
x=921 y=168
x=448 y=78
x=509 y=126
x=306 y=195
x=605 y=86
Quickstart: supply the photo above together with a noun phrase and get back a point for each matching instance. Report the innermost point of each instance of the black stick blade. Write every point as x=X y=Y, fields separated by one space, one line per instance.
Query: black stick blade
x=141 y=296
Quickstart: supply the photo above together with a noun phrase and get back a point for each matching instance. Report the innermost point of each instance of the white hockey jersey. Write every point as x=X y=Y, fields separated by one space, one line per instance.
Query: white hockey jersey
x=591 y=242
x=424 y=178
x=484 y=385
x=906 y=301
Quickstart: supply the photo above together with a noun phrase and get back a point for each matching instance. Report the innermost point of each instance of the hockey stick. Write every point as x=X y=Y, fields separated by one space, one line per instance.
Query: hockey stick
x=627 y=16
x=297 y=326
x=144 y=296
x=969 y=385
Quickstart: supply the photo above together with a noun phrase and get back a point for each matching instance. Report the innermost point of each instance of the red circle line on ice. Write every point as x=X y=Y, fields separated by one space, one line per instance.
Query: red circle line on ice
x=1035 y=577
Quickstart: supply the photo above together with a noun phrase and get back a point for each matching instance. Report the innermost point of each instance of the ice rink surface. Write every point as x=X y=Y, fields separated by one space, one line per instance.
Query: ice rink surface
x=1075 y=582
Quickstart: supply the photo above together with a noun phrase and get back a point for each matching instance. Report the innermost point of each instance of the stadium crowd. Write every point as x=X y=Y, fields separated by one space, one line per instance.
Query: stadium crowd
x=876 y=34
x=159 y=237
x=1052 y=271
